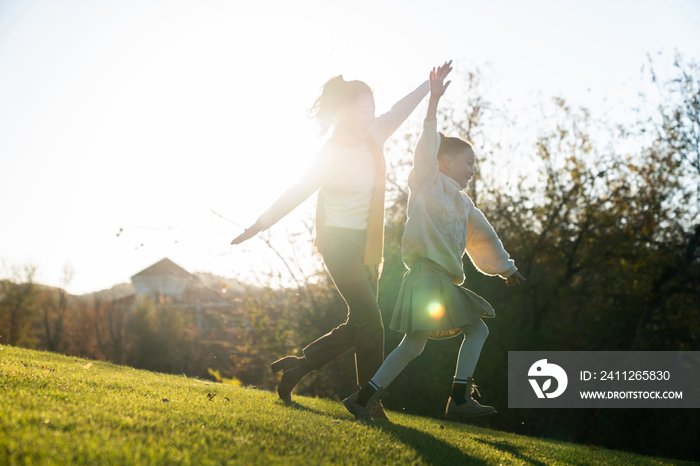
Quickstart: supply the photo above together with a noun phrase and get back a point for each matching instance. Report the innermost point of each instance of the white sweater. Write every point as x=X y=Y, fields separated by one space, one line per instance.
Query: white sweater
x=345 y=174
x=443 y=221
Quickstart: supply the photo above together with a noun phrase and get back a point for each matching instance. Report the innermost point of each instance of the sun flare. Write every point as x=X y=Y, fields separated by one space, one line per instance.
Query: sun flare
x=436 y=310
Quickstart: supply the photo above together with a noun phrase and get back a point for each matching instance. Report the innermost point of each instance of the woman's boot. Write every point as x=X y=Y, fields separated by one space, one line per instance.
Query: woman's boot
x=294 y=369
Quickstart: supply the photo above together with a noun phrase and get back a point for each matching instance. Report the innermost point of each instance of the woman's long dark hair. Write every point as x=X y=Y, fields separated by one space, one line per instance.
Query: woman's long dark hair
x=335 y=93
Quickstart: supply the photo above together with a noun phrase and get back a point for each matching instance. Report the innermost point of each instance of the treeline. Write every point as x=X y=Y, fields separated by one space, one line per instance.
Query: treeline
x=182 y=336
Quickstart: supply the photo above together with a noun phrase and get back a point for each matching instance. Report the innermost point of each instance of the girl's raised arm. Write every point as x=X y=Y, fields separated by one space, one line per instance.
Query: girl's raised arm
x=437 y=88
x=425 y=162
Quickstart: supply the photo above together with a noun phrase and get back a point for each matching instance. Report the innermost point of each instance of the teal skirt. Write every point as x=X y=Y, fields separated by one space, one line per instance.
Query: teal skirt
x=429 y=300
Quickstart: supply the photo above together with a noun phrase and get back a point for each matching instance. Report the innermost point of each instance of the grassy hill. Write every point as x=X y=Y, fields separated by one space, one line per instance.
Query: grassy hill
x=56 y=409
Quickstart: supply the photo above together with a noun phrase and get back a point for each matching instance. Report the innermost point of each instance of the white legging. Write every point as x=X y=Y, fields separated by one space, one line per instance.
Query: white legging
x=412 y=345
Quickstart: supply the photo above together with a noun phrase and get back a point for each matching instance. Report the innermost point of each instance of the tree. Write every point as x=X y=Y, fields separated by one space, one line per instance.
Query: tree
x=18 y=305
x=110 y=325
x=54 y=306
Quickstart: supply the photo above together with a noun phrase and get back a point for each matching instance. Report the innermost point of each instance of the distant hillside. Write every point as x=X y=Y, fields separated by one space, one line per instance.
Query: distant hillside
x=122 y=290
x=214 y=282
x=119 y=291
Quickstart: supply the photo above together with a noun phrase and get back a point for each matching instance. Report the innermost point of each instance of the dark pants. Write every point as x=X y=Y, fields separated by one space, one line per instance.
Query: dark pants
x=343 y=254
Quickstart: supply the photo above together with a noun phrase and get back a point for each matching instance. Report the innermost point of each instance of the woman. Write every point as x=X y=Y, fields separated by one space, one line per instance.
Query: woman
x=350 y=172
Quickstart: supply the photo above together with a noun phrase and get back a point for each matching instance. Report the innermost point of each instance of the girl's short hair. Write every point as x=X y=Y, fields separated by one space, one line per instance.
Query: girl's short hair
x=335 y=93
x=452 y=146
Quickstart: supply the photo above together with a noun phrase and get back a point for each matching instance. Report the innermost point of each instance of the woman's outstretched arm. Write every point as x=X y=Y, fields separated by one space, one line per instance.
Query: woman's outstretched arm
x=287 y=202
x=385 y=125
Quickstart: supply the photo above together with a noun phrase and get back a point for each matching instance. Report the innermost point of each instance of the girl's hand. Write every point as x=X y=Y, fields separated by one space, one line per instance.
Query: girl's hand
x=437 y=77
x=247 y=234
x=515 y=279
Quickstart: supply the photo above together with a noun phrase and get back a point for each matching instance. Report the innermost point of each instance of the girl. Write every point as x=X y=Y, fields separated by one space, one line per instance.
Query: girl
x=350 y=172
x=442 y=223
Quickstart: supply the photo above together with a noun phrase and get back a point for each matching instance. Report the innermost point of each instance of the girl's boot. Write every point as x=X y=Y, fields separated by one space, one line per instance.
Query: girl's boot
x=469 y=407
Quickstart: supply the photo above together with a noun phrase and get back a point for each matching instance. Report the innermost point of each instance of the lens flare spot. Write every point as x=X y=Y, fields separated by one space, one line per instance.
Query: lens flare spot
x=436 y=310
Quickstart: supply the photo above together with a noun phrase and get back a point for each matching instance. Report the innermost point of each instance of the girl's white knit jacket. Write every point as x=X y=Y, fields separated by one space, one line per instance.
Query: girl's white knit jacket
x=443 y=221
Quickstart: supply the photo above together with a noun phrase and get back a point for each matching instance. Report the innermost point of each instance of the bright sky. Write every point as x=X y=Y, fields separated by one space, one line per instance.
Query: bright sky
x=145 y=115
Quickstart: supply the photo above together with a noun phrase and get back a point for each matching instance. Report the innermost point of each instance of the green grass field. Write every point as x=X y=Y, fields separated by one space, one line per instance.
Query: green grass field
x=56 y=409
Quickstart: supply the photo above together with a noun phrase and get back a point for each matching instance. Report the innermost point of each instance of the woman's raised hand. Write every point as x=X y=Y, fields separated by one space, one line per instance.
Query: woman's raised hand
x=437 y=78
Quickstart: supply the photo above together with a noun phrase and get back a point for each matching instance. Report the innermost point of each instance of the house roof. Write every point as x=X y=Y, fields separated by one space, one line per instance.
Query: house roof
x=164 y=267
